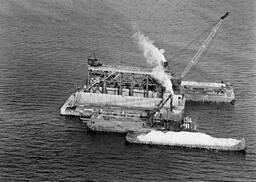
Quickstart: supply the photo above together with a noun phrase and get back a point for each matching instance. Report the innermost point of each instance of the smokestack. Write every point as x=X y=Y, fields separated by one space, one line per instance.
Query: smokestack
x=165 y=64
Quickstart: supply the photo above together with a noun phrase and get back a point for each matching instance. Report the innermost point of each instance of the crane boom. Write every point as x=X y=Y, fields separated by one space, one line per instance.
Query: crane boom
x=204 y=45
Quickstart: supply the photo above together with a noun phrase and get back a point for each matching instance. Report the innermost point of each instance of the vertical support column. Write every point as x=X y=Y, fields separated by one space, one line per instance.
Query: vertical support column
x=104 y=82
x=147 y=86
x=88 y=81
x=131 y=88
x=104 y=90
x=171 y=100
x=120 y=84
x=89 y=77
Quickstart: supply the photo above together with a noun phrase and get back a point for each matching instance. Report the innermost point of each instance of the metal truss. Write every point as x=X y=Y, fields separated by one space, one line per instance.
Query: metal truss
x=99 y=80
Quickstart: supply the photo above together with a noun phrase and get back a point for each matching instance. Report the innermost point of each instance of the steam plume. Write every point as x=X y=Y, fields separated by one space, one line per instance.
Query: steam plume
x=154 y=57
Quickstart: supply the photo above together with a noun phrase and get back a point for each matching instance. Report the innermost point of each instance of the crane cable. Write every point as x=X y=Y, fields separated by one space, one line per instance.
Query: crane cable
x=204 y=45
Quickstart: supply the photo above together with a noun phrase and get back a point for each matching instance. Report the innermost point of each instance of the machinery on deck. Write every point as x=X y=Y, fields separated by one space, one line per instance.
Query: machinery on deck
x=120 y=99
x=204 y=91
x=160 y=117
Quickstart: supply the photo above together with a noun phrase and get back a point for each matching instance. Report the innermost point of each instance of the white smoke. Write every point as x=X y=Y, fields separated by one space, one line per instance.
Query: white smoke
x=154 y=57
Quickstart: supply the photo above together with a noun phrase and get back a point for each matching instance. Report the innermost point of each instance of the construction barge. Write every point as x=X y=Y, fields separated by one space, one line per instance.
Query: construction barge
x=124 y=99
x=219 y=144
x=208 y=92
x=121 y=100
x=123 y=86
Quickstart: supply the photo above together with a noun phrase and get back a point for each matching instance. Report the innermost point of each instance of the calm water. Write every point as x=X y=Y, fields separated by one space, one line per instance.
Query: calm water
x=44 y=45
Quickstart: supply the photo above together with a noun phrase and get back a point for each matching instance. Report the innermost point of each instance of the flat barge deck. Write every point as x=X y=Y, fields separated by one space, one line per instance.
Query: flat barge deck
x=220 y=144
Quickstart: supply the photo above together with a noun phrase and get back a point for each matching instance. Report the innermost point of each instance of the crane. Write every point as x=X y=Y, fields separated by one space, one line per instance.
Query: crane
x=195 y=59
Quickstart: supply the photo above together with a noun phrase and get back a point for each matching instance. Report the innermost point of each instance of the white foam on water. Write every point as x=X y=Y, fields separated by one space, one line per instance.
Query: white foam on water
x=186 y=138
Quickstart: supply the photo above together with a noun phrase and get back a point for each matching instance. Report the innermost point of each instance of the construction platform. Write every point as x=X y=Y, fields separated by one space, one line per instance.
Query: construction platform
x=132 y=87
x=136 y=79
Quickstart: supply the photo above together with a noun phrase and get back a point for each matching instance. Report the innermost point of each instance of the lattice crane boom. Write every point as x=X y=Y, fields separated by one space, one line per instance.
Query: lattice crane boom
x=204 y=45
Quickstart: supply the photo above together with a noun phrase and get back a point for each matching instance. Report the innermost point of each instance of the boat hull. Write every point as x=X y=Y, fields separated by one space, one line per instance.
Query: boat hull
x=115 y=126
x=207 y=92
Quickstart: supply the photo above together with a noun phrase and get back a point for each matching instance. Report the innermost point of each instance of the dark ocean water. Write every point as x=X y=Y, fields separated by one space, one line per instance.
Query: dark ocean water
x=44 y=45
